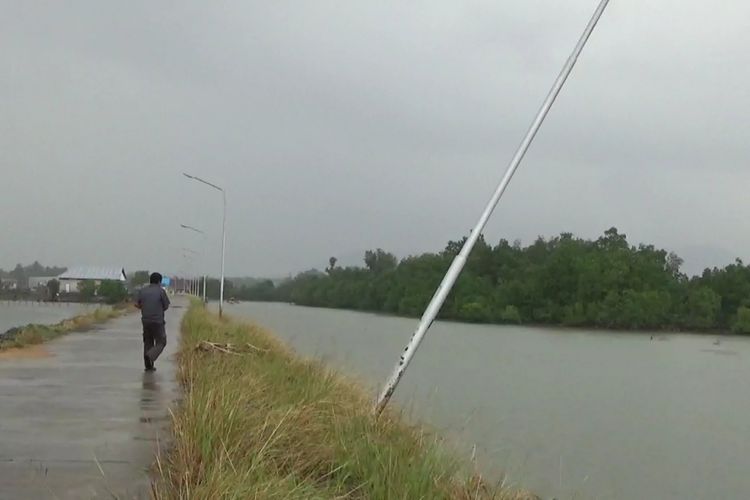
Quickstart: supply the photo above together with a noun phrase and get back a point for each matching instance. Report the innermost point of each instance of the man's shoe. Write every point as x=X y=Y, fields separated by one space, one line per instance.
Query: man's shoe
x=150 y=368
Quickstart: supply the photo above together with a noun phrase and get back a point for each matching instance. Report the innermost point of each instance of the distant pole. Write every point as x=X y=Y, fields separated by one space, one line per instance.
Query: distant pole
x=459 y=261
x=202 y=233
x=191 y=282
x=223 y=245
x=223 y=234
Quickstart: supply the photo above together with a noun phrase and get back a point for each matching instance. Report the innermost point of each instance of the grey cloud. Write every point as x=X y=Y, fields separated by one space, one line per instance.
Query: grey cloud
x=339 y=126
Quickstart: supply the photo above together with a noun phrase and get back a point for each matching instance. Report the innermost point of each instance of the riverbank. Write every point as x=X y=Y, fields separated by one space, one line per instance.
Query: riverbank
x=660 y=332
x=258 y=421
x=33 y=334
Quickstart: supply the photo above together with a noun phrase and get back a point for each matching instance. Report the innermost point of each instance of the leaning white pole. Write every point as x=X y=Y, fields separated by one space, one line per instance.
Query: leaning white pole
x=460 y=260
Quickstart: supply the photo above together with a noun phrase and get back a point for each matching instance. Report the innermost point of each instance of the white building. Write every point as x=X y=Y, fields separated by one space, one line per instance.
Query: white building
x=8 y=284
x=39 y=281
x=70 y=279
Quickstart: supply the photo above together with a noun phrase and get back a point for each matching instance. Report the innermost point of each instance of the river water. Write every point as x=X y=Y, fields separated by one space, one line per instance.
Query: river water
x=565 y=413
x=13 y=314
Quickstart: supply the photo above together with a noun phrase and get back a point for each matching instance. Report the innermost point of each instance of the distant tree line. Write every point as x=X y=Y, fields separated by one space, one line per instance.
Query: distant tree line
x=108 y=291
x=21 y=273
x=564 y=280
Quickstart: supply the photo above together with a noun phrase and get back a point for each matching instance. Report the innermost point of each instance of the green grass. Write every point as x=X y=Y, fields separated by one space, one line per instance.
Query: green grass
x=260 y=422
x=38 y=334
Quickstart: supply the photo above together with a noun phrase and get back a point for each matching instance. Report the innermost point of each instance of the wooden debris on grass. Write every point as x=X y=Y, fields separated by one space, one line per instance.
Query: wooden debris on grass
x=227 y=348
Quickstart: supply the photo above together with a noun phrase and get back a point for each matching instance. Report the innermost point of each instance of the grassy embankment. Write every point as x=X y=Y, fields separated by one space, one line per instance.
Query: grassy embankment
x=37 y=334
x=259 y=422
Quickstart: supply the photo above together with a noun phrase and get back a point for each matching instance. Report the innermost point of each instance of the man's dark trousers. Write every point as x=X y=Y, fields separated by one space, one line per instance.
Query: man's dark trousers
x=154 y=341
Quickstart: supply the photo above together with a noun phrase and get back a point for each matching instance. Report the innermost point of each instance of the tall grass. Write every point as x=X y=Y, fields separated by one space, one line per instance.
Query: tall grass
x=37 y=334
x=259 y=422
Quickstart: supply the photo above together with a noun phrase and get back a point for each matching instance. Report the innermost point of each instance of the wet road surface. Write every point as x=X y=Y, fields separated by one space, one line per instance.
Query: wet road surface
x=86 y=421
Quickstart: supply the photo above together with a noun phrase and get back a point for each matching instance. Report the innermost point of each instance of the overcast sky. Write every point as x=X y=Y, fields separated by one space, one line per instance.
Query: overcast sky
x=338 y=126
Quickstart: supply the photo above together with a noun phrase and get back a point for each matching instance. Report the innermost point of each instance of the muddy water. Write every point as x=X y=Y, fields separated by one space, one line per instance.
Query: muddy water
x=13 y=314
x=567 y=413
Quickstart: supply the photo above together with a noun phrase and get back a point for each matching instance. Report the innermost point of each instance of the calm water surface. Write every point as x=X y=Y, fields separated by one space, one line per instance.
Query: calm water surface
x=13 y=314
x=565 y=413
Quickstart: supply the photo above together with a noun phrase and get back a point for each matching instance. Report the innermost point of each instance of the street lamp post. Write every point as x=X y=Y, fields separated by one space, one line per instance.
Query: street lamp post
x=205 y=278
x=223 y=234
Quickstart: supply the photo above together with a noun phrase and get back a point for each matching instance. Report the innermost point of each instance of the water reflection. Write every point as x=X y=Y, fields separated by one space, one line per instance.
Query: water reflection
x=152 y=400
x=14 y=314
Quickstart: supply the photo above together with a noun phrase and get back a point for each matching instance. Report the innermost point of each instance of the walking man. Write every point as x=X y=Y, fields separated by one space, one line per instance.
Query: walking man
x=153 y=301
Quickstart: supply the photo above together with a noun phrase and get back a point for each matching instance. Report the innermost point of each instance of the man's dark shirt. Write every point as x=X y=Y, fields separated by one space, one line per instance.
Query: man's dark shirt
x=153 y=301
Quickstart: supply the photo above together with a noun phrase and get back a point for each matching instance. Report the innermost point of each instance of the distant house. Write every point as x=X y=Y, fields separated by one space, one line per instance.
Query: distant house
x=70 y=279
x=8 y=284
x=39 y=281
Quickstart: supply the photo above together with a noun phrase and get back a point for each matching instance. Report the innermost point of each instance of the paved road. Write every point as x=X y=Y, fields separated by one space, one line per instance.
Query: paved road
x=85 y=422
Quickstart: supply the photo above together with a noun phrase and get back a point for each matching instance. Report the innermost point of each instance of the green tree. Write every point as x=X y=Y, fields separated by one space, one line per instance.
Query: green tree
x=35 y=269
x=331 y=264
x=262 y=291
x=19 y=274
x=113 y=292
x=606 y=282
x=213 y=288
x=140 y=278
x=732 y=284
x=742 y=322
x=380 y=261
x=53 y=289
x=87 y=289
x=476 y=311
x=701 y=308
x=510 y=315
